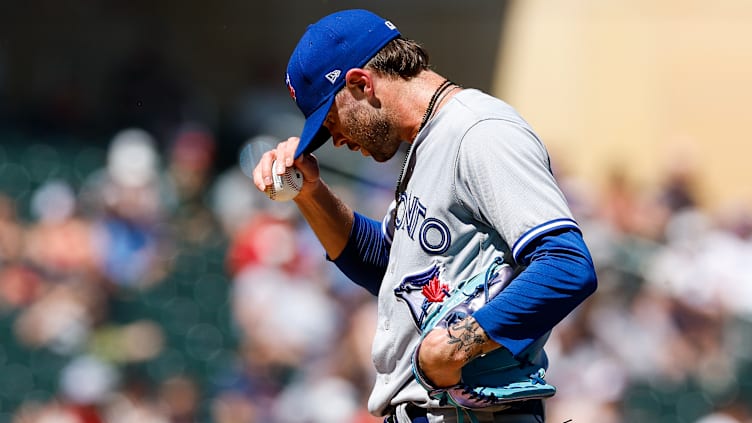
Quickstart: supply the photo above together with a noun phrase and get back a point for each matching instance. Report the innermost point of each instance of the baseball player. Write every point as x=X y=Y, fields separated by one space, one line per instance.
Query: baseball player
x=476 y=190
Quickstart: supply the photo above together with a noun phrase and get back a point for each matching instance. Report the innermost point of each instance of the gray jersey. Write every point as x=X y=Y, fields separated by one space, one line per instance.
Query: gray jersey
x=481 y=187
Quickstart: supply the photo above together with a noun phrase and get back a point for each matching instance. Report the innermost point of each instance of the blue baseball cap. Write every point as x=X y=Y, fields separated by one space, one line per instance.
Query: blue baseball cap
x=316 y=71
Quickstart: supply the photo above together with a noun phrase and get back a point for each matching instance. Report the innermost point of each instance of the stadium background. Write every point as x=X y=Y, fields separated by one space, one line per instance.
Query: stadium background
x=143 y=279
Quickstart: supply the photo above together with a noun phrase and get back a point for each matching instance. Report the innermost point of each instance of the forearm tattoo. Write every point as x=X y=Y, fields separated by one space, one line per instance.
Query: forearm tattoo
x=468 y=336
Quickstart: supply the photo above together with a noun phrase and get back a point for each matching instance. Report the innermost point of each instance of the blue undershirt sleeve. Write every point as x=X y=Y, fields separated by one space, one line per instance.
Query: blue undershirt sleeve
x=366 y=254
x=558 y=277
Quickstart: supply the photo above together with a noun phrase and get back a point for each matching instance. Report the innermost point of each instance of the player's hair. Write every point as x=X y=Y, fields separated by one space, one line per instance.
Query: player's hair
x=401 y=58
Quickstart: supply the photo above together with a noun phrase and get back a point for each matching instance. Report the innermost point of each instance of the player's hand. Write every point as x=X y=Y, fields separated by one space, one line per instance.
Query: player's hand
x=284 y=154
x=444 y=351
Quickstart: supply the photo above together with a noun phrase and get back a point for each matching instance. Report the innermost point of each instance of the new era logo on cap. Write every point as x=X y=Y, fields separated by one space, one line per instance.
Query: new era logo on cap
x=333 y=75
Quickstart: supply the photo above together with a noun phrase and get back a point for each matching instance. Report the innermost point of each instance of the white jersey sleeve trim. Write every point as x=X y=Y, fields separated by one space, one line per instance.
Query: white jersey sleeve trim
x=538 y=231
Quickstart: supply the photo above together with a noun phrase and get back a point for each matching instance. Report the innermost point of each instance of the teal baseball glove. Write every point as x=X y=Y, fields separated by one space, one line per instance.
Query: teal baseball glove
x=493 y=381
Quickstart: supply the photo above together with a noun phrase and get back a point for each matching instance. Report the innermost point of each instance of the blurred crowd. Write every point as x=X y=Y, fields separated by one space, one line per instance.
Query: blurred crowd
x=139 y=283
x=667 y=336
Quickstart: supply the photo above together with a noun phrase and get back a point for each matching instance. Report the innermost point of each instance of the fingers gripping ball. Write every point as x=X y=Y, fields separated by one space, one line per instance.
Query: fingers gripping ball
x=286 y=186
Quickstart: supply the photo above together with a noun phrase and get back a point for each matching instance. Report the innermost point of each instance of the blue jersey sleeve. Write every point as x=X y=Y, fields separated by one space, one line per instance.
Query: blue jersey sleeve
x=558 y=277
x=366 y=254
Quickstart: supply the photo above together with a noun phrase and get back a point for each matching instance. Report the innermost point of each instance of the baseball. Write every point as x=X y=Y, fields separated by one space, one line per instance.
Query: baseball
x=286 y=186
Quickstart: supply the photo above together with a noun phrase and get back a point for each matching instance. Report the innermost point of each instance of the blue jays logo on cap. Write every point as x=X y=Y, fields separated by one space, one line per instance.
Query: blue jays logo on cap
x=290 y=88
x=318 y=65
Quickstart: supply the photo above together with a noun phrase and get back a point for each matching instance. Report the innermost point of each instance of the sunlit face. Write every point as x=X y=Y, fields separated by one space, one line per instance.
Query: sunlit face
x=363 y=128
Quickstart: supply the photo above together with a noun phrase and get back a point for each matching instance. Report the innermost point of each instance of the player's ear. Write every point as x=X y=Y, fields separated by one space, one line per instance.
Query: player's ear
x=359 y=82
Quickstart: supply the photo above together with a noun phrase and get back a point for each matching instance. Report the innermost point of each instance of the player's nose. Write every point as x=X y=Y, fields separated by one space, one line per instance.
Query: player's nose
x=338 y=141
x=342 y=141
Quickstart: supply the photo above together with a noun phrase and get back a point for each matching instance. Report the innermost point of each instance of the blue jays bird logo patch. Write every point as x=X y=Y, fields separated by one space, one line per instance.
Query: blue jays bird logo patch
x=291 y=88
x=422 y=291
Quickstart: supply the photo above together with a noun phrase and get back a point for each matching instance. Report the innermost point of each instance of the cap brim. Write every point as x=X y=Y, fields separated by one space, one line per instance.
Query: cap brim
x=314 y=133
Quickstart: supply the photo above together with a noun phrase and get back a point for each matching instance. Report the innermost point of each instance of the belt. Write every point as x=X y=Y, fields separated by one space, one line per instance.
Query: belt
x=534 y=407
x=415 y=412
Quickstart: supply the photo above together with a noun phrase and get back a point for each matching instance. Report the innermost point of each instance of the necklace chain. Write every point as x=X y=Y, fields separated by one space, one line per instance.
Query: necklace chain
x=432 y=103
x=426 y=117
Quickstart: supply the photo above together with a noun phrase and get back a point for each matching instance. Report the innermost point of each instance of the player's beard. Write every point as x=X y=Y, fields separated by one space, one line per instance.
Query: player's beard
x=373 y=130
